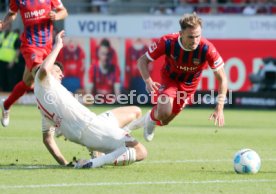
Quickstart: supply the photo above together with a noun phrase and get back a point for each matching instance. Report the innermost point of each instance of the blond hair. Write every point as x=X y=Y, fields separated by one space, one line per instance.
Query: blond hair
x=190 y=21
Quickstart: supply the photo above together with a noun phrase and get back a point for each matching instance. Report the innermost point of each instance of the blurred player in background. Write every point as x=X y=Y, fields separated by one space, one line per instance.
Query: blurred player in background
x=104 y=74
x=72 y=57
x=186 y=55
x=61 y=111
x=36 y=40
x=133 y=80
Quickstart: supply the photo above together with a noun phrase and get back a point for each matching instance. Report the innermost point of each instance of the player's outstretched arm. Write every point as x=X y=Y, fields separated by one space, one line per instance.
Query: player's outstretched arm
x=142 y=64
x=50 y=143
x=60 y=14
x=218 y=115
x=48 y=63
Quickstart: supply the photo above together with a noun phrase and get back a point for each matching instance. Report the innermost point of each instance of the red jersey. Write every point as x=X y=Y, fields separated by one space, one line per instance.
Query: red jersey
x=181 y=65
x=35 y=16
x=73 y=61
x=104 y=82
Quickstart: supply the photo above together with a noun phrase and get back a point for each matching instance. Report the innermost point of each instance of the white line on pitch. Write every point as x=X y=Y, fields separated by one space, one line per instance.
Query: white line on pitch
x=136 y=183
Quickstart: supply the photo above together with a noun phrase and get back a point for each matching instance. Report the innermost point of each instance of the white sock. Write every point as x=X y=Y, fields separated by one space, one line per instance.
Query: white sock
x=108 y=158
x=121 y=156
x=126 y=158
x=136 y=124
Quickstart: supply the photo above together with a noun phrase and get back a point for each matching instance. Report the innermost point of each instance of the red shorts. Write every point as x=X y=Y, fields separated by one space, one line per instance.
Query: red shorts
x=34 y=55
x=178 y=91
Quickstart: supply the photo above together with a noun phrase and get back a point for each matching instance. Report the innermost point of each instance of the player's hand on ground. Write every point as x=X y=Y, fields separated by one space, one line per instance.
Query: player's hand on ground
x=218 y=117
x=53 y=15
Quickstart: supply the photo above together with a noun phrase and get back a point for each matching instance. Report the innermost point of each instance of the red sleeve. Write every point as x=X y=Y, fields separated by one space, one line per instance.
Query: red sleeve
x=13 y=6
x=214 y=59
x=56 y=4
x=156 y=49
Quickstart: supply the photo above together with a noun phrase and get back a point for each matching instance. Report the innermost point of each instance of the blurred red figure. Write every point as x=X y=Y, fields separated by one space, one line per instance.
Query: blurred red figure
x=104 y=75
x=132 y=74
x=36 y=40
x=72 y=57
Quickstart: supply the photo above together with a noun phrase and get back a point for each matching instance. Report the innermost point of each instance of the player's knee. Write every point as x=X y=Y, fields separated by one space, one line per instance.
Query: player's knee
x=28 y=80
x=138 y=112
x=163 y=115
x=141 y=152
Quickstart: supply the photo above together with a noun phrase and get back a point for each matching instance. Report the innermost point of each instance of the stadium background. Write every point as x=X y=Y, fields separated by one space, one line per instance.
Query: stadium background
x=242 y=39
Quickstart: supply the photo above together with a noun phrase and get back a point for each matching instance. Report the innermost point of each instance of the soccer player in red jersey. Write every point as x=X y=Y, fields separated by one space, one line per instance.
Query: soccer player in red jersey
x=36 y=40
x=187 y=54
x=72 y=57
x=104 y=75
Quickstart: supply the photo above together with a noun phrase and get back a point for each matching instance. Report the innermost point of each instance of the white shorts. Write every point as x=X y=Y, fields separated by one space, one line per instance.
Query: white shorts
x=104 y=134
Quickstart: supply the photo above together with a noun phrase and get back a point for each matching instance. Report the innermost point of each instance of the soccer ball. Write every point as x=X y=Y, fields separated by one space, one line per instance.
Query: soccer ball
x=247 y=161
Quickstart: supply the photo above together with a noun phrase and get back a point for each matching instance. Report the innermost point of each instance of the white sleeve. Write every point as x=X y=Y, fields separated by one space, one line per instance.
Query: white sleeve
x=47 y=125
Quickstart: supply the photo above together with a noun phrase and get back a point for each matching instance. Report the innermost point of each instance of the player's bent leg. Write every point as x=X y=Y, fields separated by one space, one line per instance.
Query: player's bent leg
x=141 y=151
x=160 y=113
x=127 y=114
x=19 y=90
x=119 y=157
x=164 y=108
x=28 y=78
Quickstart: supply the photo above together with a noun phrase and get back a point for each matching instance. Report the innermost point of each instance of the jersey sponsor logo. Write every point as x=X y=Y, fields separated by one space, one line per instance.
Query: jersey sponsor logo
x=185 y=68
x=34 y=14
x=33 y=56
x=161 y=88
x=152 y=47
x=23 y=2
x=173 y=57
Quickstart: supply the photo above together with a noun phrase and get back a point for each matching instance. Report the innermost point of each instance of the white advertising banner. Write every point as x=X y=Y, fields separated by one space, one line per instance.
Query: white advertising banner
x=152 y=26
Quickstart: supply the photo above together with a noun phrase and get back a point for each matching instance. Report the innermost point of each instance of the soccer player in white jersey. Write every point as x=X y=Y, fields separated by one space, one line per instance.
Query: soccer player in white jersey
x=61 y=111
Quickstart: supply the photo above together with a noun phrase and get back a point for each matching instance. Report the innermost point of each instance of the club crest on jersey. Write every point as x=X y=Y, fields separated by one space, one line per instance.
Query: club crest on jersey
x=152 y=47
x=33 y=56
x=196 y=61
x=173 y=57
x=23 y=2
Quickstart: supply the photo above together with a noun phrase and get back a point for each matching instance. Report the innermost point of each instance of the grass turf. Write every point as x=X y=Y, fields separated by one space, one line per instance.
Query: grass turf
x=188 y=156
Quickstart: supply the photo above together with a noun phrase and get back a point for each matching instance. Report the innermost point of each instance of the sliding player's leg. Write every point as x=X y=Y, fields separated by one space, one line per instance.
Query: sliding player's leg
x=125 y=155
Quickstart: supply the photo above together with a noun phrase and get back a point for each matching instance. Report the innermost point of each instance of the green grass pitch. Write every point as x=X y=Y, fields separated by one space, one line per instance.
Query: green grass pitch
x=190 y=155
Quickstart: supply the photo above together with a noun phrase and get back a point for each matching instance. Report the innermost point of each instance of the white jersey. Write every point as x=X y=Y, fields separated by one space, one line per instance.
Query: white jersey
x=59 y=106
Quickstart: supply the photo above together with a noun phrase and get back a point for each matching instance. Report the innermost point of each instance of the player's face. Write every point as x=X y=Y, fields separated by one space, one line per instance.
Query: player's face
x=191 y=37
x=103 y=55
x=57 y=73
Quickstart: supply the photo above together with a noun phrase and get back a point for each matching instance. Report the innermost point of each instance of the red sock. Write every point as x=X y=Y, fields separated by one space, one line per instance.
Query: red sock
x=157 y=122
x=18 y=91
